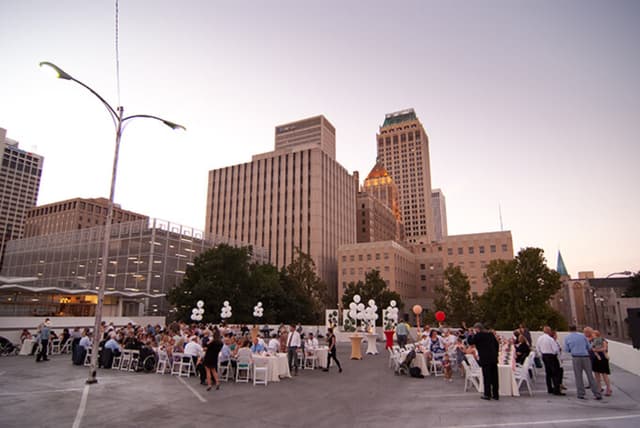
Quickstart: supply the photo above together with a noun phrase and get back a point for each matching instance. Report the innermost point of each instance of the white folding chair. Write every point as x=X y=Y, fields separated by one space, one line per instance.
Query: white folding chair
x=436 y=365
x=66 y=347
x=311 y=360
x=87 y=357
x=135 y=360
x=125 y=360
x=472 y=373
x=176 y=363
x=187 y=368
x=225 y=370
x=54 y=347
x=243 y=366
x=521 y=375
x=260 y=371
x=117 y=361
x=163 y=362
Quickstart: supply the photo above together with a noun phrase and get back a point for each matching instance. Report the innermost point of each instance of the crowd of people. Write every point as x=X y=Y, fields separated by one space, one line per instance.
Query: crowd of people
x=588 y=350
x=206 y=345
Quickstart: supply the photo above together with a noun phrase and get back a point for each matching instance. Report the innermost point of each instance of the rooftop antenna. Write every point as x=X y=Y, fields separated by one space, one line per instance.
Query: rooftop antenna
x=500 y=214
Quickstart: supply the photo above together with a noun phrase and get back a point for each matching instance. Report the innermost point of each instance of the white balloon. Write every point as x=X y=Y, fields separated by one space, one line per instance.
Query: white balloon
x=352 y=314
x=375 y=317
x=392 y=303
x=353 y=305
x=371 y=302
x=194 y=311
x=361 y=306
x=225 y=303
x=193 y=317
x=200 y=303
x=356 y=298
x=260 y=304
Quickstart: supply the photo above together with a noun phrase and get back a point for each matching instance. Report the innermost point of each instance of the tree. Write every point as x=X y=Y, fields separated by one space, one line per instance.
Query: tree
x=218 y=274
x=301 y=272
x=634 y=288
x=519 y=291
x=374 y=288
x=454 y=296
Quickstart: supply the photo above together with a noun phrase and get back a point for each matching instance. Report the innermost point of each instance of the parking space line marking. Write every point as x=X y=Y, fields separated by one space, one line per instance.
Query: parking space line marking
x=549 y=422
x=82 y=408
x=7 y=394
x=192 y=390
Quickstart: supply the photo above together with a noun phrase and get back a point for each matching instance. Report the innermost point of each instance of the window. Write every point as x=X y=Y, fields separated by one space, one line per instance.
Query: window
x=359 y=257
x=423 y=277
x=377 y=256
x=471 y=250
x=423 y=266
x=493 y=248
x=368 y=256
x=504 y=248
x=450 y=251
x=481 y=249
x=460 y=251
x=351 y=258
x=344 y=258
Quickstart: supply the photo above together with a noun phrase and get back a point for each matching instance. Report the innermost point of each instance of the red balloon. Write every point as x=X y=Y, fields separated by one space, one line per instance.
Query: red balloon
x=440 y=316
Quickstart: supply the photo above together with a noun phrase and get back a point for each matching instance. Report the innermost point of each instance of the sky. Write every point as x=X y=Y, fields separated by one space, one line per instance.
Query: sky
x=533 y=107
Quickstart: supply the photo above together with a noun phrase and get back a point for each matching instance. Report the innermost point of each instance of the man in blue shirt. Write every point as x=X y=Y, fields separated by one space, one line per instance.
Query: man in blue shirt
x=578 y=346
x=257 y=346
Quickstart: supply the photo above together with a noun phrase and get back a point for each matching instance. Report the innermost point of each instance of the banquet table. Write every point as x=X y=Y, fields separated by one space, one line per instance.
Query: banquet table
x=371 y=344
x=277 y=366
x=27 y=346
x=507 y=385
x=322 y=353
x=420 y=361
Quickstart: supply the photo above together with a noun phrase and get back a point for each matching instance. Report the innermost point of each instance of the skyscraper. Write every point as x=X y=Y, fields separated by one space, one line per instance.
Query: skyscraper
x=403 y=149
x=295 y=197
x=439 y=206
x=19 y=184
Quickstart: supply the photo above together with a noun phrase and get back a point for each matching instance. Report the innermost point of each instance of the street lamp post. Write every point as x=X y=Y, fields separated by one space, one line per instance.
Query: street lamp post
x=117 y=115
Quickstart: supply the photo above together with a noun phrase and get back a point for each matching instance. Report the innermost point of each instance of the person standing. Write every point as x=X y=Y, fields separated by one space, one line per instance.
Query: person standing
x=487 y=346
x=210 y=360
x=402 y=332
x=600 y=361
x=578 y=346
x=43 y=339
x=549 y=349
x=331 y=340
x=293 y=343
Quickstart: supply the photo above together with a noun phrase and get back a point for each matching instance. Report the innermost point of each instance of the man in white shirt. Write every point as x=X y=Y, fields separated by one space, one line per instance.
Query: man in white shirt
x=311 y=344
x=274 y=345
x=293 y=343
x=194 y=351
x=550 y=349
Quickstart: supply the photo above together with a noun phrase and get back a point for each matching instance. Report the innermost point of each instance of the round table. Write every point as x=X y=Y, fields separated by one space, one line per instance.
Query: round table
x=371 y=344
x=356 y=343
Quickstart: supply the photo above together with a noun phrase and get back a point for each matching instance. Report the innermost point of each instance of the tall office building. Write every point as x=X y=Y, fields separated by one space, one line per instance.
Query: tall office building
x=19 y=184
x=403 y=149
x=439 y=206
x=73 y=214
x=295 y=197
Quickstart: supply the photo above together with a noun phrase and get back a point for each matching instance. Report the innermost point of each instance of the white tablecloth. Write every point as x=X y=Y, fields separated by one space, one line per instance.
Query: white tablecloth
x=371 y=344
x=421 y=361
x=27 y=346
x=323 y=354
x=278 y=366
x=506 y=381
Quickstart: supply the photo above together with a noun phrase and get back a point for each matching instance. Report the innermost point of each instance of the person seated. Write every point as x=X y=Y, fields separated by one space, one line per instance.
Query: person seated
x=436 y=346
x=113 y=344
x=423 y=343
x=311 y=344
x=257 y=346
x=274 y=345
x=193 y=349
x=522 y=349
x=226 y=356
x=25 y=335
x=85 y=340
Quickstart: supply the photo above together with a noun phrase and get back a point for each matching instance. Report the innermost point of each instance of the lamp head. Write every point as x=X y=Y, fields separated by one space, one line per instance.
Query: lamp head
x=61 y=73
x=173 y=125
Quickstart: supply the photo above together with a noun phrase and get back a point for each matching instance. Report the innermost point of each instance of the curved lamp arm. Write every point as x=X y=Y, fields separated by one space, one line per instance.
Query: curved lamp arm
x=66 y=76
x=170 y=124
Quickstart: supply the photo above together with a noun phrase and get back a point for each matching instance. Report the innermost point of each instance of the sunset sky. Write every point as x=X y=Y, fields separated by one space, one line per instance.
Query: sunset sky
x=531 y=106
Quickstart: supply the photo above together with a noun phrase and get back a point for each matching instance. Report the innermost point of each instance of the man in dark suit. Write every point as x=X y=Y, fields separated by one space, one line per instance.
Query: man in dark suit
x=487 y=346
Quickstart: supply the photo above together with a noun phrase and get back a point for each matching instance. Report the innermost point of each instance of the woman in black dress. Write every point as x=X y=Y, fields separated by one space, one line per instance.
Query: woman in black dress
x=331 y=340
x=522 y=349
x=211 y=359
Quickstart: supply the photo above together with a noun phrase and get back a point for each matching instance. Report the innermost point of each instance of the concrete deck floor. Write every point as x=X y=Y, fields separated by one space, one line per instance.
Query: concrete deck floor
x=366 y=394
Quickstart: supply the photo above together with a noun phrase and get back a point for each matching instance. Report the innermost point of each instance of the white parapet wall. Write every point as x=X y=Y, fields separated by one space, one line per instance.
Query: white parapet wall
x=11 y=327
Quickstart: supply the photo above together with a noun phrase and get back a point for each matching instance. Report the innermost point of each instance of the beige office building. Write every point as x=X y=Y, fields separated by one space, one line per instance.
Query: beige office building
x=376 y=221
x=295 y=197
x=474 y=251
x=403 y=149
x=395 y=263
x=20 y=173
x=74 y=214
x=439 y=207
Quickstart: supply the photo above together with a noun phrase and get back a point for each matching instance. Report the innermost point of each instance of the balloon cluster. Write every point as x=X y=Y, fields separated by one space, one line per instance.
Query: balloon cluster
x=371 y=313
x=198 y=311
x=356 y=308
x=391 y=315
x=258 y=310
x=226 y=310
